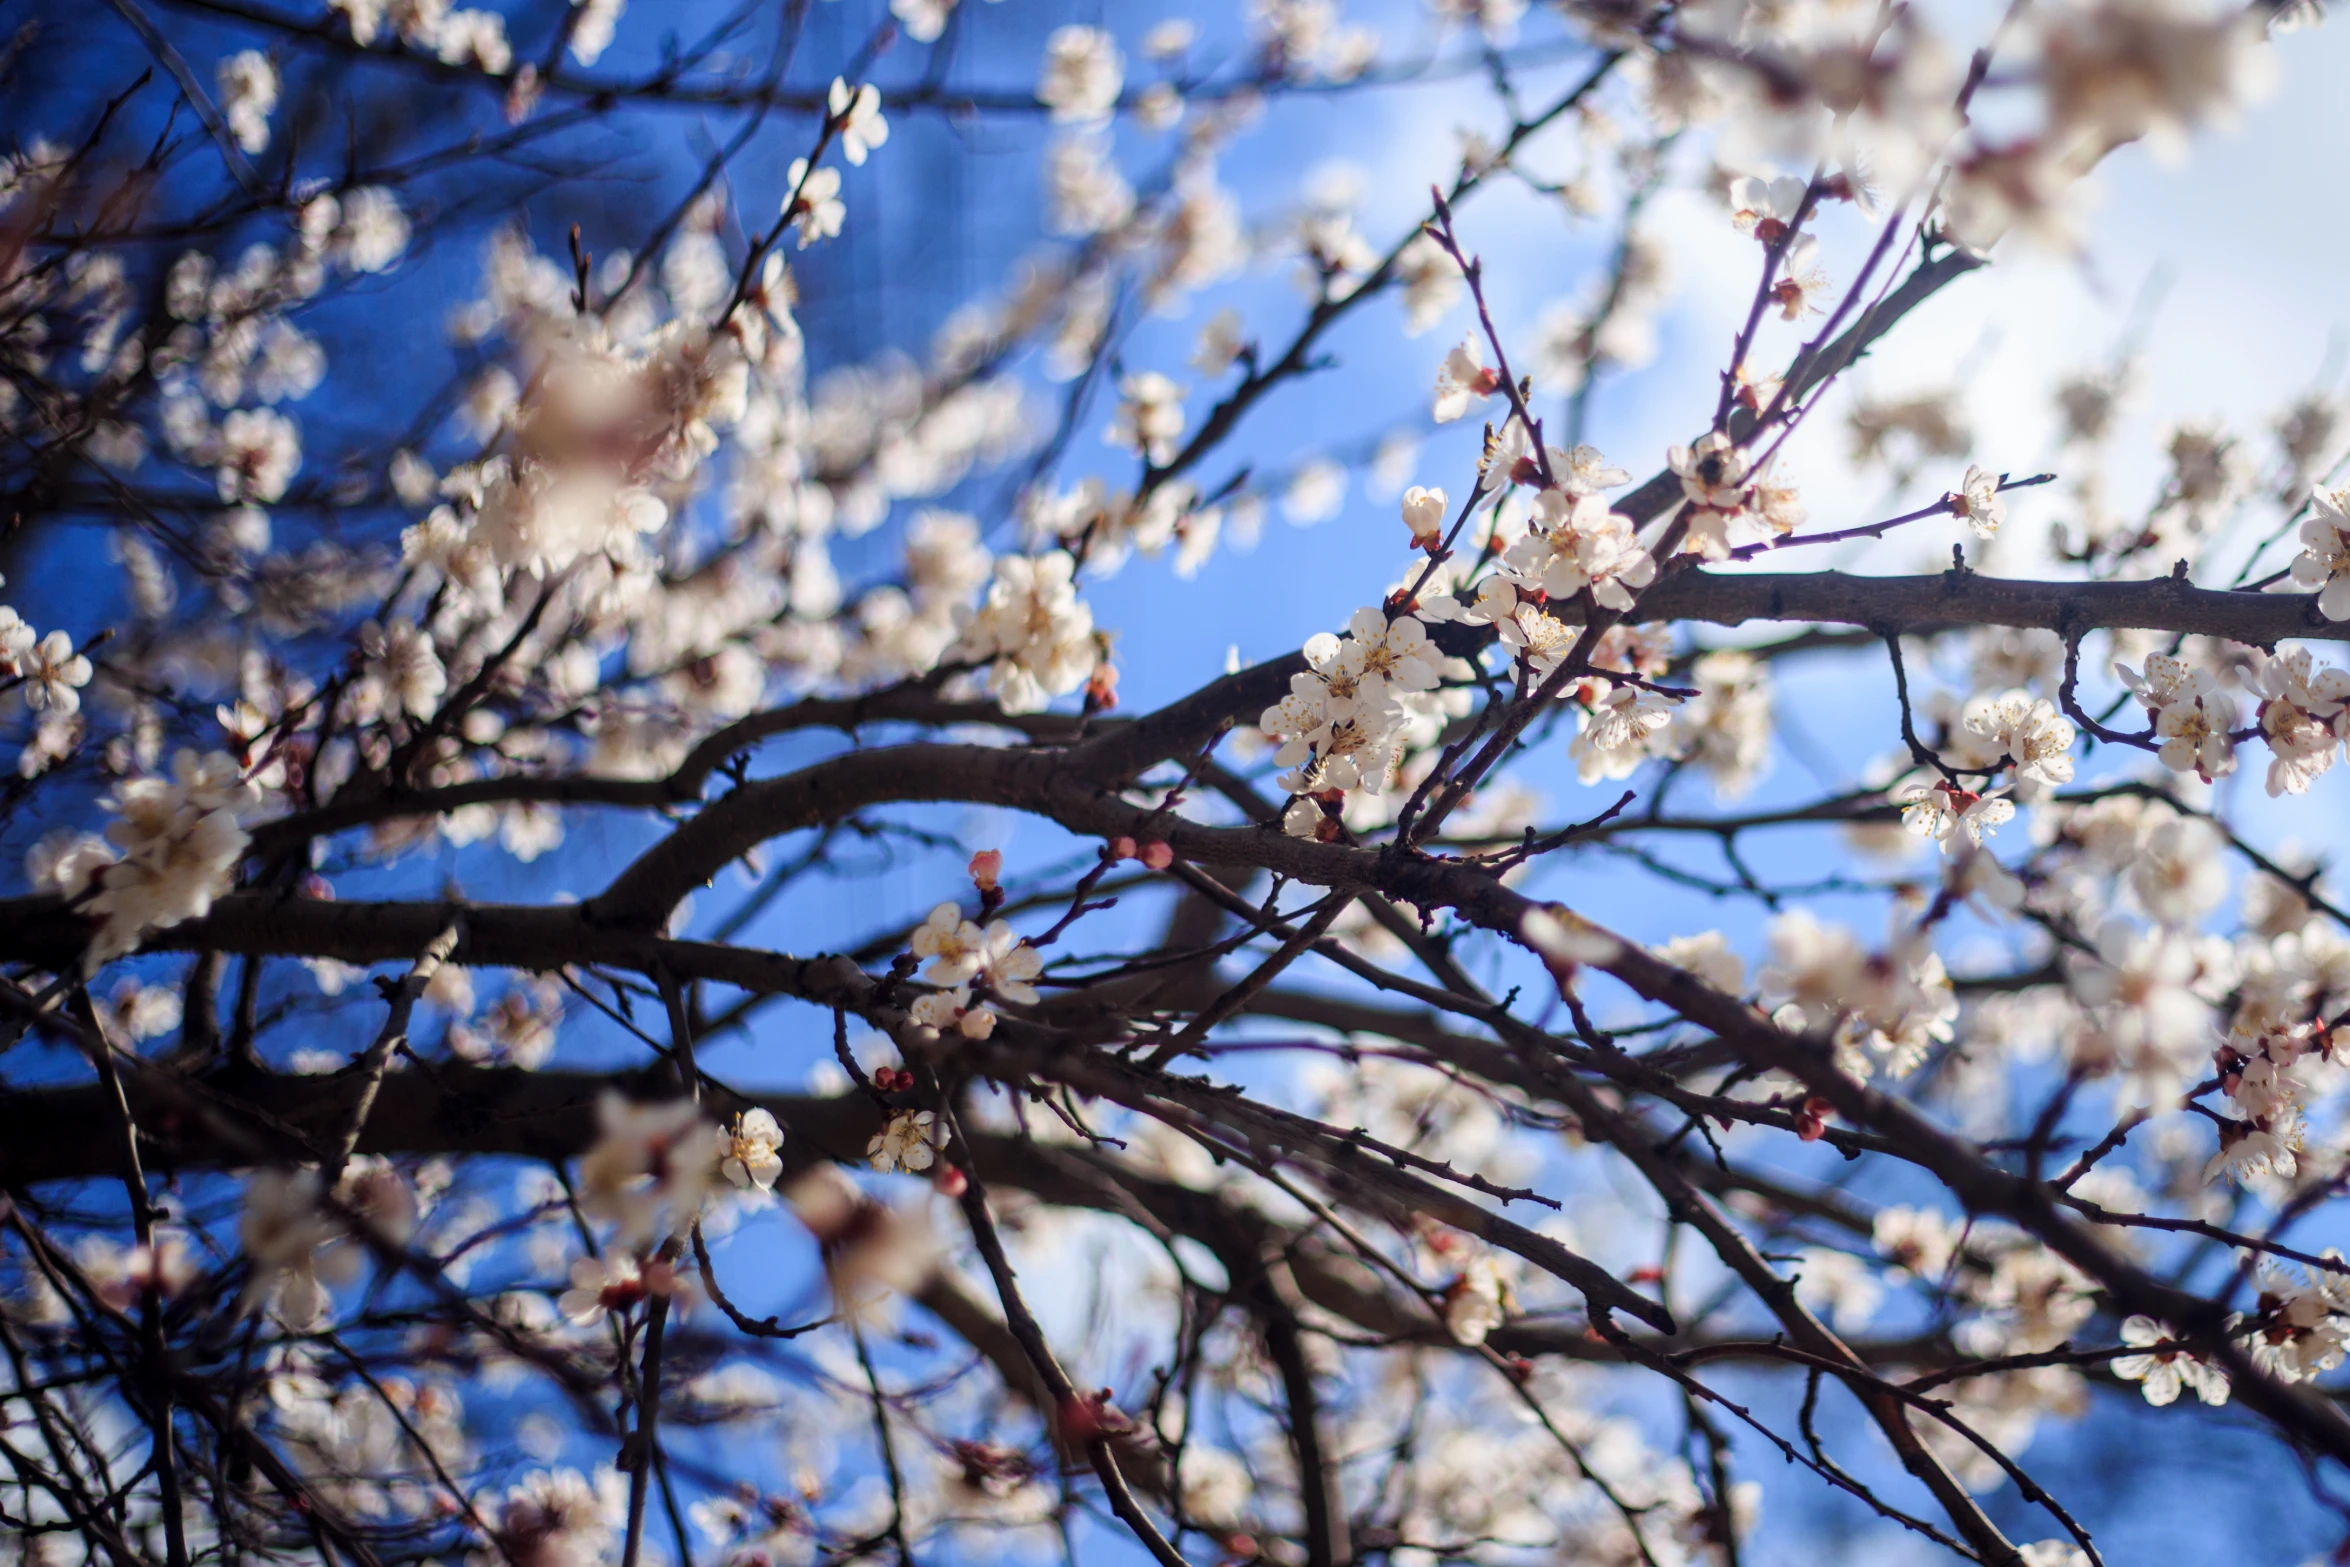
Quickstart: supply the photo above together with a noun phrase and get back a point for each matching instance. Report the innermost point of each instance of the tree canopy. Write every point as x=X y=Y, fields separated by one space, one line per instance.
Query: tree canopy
x=650 y=923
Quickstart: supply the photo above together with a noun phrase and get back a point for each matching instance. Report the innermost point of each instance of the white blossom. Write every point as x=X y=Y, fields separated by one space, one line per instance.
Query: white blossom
x=2180 y=874
x=1714 y=477
x=248 y=92
x=1150 y=416
x=1432 y=283
x=1766 y=208
x=814 y=205
x=952 y=945
x=1476 y=1302
x=1090 y=196
x=609 y=1285
x=1952 y=816
x=2304 y=1328
x=259 y=453
x=1803 y=284
x=1885 y=1009
x=904 y=1144
x=402 y=659
x=924 y=20
x=592 y=34
x=1460 y=378
x=1580 y=543
x=550 y=1518
x=954 y=1010
x=1616 y=733
x=650 y=1167
x=1424 y=514
x=2026 y=730
x=2323 y=566
x=53 y=672
x=474 y=37
x=1708 y=956
x=374 y=233
x=1976 y=502
x=2117 y=70
x=752 y=1157
x=285 y=1234
x=1033 y=631
x=2297 y=713
x=1007 y=964
x=1082 y=74
x=857 y=118
x=178 y=842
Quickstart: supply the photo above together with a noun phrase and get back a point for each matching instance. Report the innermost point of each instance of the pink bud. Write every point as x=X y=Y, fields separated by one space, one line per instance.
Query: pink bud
x=1087 y=1417
x=1081 y=1421
x=1158 y=856
x=1122 y=848
x=986 y=866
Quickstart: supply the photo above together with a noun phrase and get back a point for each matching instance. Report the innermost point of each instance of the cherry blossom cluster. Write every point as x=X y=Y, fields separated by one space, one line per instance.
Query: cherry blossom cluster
x=173 y=847
x=1339 y=728
x=1885 y=1011
x=964 y=961
x=2299 y=710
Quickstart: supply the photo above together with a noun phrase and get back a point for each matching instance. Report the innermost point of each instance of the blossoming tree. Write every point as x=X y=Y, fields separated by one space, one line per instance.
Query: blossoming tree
x=1304 y=1127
